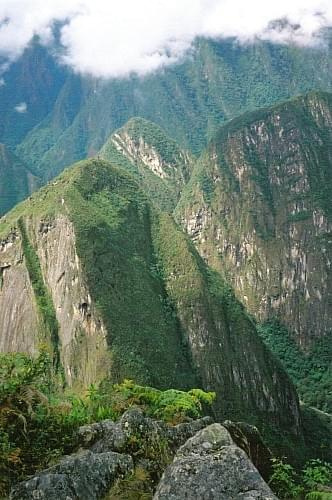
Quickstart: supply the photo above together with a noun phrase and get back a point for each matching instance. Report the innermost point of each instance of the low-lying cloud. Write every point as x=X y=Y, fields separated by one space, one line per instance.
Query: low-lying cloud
x=112 y=38
x=21 y=107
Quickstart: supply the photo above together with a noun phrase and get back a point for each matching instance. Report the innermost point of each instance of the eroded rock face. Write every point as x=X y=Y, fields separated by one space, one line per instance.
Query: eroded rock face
x=86 y=477
x=19 y=320
x=209 y=467
x=82 y=335
x=259 y=210
x=144 y=142
x=162 y=168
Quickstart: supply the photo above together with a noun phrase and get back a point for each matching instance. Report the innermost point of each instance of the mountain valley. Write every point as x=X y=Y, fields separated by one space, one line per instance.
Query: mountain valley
x=174 y=230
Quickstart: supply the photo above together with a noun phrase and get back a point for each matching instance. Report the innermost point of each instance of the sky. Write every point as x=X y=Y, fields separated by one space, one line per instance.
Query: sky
x=114 y=38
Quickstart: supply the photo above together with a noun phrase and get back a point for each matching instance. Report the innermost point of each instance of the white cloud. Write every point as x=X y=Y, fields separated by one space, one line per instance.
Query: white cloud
x=2 y=82
x=21 y=108
x=113 y=38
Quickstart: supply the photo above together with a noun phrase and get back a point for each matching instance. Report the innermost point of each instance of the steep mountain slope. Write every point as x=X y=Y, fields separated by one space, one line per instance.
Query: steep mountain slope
x=156 y=160
x=116 y=289
x=34 y=82
x=259 y=207
x=16 y=181
x=189 y=100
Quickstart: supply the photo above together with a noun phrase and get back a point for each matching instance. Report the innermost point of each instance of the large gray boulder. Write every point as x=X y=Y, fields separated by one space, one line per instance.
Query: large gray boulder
x=87 y=476
x=209 y=466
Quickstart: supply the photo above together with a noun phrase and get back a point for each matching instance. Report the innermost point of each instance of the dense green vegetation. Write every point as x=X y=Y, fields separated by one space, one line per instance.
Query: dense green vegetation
x=310 y=371
x=38 y=424
x=288 y=483
x=112 y=219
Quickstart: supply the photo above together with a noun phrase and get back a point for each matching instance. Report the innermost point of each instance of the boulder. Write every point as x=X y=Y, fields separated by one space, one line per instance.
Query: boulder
x=209 y=466
x=110 y=436
x=86 y=476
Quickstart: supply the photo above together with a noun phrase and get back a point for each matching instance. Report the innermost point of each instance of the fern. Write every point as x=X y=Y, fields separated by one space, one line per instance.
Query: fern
x=319 y=495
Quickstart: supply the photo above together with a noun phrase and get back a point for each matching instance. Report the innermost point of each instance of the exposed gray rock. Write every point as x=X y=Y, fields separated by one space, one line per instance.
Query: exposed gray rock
x=207 y=466
x=109 y=436
x=87 y=476
x=210 y=467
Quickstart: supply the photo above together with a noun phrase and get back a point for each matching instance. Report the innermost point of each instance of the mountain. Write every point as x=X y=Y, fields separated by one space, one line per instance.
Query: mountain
x=16 y=180
x=258 y=208
x=161 y=167
x=28 y=92
x=90 y=267
x=76 y=115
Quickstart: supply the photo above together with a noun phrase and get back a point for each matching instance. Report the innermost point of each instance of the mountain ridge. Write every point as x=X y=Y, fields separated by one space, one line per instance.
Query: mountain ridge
x=79 y=232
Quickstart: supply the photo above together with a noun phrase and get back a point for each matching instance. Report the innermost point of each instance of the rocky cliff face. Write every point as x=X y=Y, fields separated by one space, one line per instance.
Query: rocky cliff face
x=258 y=208
x=16 y=180
x=117 y=289
x=160 y=165
x=80 y=333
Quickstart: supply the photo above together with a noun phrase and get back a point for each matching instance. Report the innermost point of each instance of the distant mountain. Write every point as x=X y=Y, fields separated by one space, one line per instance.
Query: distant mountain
x=160 y=166
x=16 y=180
x=70 y=117
x=28 y=92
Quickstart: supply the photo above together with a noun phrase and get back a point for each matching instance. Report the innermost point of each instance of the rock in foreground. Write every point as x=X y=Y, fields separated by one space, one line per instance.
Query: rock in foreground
x=85 y=477
x=210 y=467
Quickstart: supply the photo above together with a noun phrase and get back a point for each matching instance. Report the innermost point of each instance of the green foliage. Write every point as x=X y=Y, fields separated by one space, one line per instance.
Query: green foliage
x=287 y=483
x=283 y=480
x=299 y=216
x=311 y=372
x=318 y=495
x=16 y=181
x=170 y=405
x=30 y=432
x=38 y=424
x=317 y=472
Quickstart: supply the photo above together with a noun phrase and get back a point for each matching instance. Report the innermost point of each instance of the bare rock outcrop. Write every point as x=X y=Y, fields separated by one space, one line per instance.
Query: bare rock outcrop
x=209 y=466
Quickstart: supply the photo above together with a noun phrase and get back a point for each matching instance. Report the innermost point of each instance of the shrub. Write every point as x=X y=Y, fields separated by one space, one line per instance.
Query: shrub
x=283 y=480
x=317 y=473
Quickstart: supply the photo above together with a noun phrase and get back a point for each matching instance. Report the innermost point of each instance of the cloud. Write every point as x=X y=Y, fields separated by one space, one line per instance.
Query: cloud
x=112 y=38
x=21 y=108
x=2 y=82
